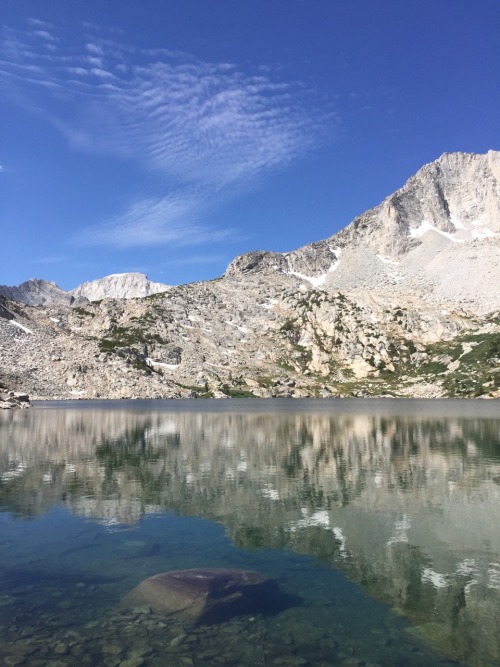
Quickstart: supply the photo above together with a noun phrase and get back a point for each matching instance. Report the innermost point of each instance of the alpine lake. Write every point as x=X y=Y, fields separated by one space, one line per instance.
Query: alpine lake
x=378 y=519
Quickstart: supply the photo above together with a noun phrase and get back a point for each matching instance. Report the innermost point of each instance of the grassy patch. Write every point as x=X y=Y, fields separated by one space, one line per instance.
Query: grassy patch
x=239 y=393
x=285 y=365
x=82 y=312
x=265 y=381
x=434 y=368
x=486 y=350
x=128 y=337
x=200 y=391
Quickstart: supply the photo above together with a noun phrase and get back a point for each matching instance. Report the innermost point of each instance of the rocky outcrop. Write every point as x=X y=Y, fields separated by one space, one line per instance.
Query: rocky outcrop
x=14 y=399
x=257 y=261
x=208 y=595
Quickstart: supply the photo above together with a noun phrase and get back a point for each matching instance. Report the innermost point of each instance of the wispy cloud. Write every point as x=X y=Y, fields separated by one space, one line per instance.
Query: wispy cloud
x=55 y=259
x=203 y=126
x=169 y=220
x=39 y=24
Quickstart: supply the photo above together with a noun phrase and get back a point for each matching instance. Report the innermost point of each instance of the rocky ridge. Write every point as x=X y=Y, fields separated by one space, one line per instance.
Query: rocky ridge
x=404 y=301
x=37 y=292
x=438 y=237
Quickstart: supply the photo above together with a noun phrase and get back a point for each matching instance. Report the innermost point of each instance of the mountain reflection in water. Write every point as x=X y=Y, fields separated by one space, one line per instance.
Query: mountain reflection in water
x=403 y=497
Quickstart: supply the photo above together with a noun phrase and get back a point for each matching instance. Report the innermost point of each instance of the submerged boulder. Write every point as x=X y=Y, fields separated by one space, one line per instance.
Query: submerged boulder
x=208 y=595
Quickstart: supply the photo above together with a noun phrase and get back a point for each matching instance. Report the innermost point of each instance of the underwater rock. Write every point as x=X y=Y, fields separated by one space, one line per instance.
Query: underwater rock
x=207 y=595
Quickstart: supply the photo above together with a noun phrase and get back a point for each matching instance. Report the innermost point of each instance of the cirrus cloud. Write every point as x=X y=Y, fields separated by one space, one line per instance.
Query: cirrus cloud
x=170 y=220
x=203 y=127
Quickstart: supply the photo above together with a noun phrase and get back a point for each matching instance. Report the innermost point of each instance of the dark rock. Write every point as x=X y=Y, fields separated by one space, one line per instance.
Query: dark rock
x=14 y=399
x=208 y=595
x=257 y=261
x=19 y=396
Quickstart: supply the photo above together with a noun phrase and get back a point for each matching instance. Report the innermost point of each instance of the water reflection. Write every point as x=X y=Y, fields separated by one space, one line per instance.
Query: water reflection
x=405 y=501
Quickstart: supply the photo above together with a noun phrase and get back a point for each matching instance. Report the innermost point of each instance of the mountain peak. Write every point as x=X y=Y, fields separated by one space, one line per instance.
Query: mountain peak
x=118 y=286
x=39 y=292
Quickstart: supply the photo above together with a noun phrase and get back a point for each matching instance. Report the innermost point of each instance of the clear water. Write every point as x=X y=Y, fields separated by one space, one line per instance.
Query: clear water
x=382 y=517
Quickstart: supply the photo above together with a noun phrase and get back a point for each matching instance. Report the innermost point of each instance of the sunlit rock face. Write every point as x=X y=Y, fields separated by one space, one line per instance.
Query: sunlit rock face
x=118 y=286
x=207 y=595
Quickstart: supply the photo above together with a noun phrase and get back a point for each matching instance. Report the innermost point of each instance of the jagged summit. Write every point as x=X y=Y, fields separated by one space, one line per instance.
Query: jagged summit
x=37 y=292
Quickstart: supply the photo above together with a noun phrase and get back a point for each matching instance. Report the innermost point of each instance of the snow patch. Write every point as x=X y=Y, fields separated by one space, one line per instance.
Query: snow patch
x=387 y=261
x=270 y=493
x=152 y=362
x=341 y=539
x=494 y=576
x=425 y=226
x=236 y=326
x=319 y=518
x=16 y=472
x=458 y=224
x=316 y=281
x=434 y=578
x=467 y=567
x=335 y=251
x=20 y=326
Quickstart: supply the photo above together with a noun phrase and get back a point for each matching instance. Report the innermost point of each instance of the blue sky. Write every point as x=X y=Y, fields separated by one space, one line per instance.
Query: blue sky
x=169 y=136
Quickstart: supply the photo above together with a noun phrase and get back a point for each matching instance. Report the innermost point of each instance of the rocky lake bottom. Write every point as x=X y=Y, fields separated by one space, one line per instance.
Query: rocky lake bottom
x=377 y=519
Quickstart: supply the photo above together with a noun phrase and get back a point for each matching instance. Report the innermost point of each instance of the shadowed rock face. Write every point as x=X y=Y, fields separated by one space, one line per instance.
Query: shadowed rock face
x=208 y=595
